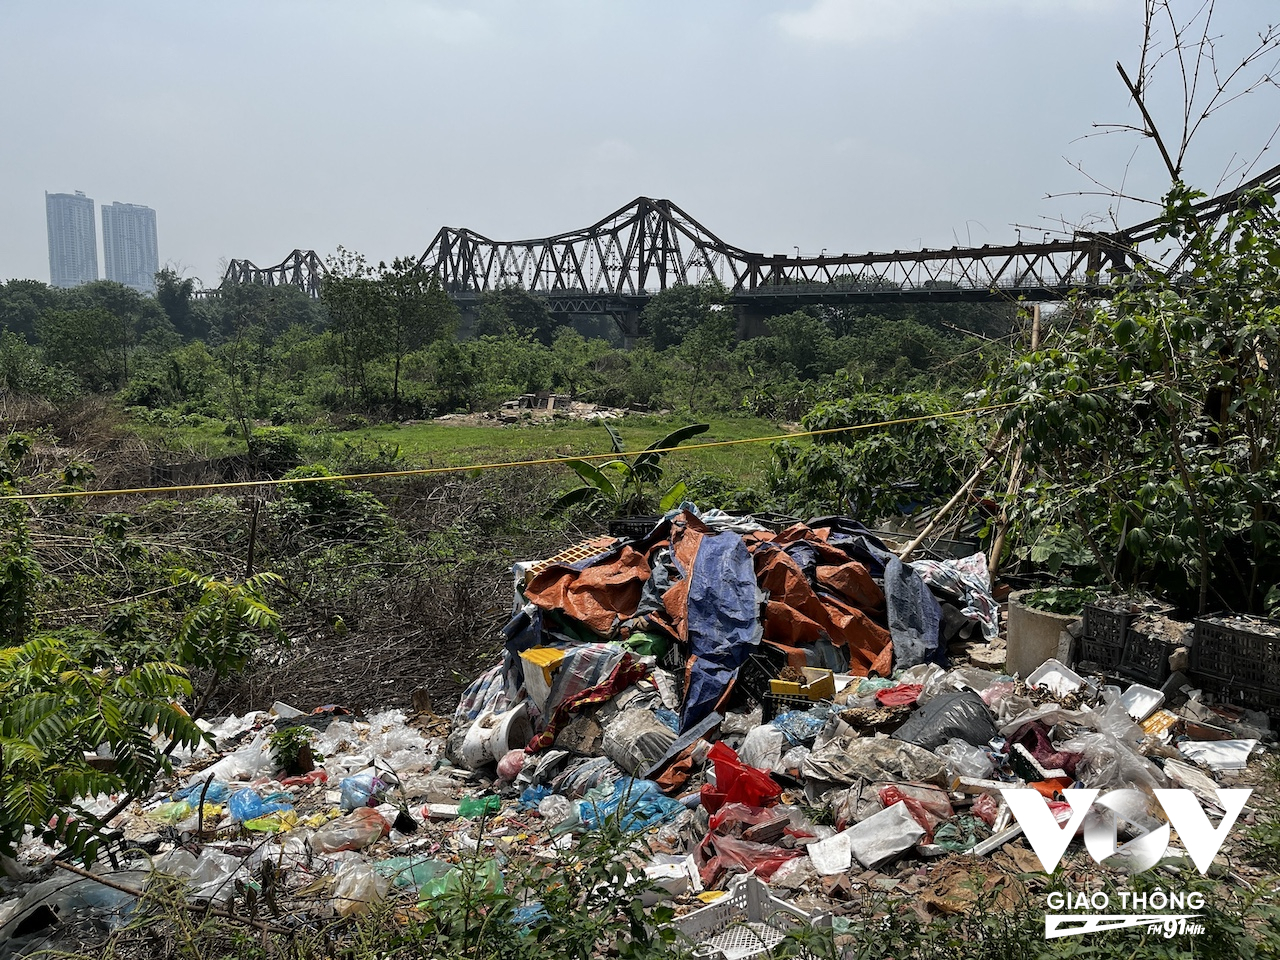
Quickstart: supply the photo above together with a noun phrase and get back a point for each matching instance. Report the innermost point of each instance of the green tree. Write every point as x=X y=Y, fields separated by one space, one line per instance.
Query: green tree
x=1153 y=427
x=175 y=295
x=92 y=343
x=416 y=312
x=512 y=308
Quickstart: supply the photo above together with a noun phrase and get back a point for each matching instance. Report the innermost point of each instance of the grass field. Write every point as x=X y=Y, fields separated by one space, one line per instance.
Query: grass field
x=460 y=443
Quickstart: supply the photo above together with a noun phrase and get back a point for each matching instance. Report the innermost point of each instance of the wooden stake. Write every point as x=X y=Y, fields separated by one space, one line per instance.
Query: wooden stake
x=1015 y=474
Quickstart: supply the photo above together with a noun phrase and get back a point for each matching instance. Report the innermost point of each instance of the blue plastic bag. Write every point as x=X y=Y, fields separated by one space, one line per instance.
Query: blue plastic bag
x=801 y=726
x=217 y=793
x=359 y=790
x=246 y=804
x=638 y=804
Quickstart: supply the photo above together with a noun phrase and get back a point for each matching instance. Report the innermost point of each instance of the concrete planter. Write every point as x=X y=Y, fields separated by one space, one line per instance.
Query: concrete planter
x=1032 y=635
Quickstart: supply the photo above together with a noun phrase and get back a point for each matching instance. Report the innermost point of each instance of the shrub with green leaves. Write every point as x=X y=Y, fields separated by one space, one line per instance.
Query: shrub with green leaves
x=1153 y=427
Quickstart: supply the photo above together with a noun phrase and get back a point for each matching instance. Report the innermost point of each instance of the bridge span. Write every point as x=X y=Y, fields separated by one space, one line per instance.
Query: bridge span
x=614 y=266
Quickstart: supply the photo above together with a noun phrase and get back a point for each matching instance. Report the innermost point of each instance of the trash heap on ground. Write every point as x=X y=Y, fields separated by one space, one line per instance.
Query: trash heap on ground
x=782 y=705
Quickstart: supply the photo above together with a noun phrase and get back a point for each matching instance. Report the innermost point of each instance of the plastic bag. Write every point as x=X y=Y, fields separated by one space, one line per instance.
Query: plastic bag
x=745 y=855
x=511 y=764
x=737 y=783
x=986 y=808
x=929 y=806
x=763 y=747
x=792 y=761
x=355 y=831
x=638 y=805
x=554 y=808
x=217 y=792
x=997 y=692
x=636 y=739
x=357 y=887
x=958 y=835
x=800 y=726
x=246 y=805
x=362 y=790
x=904 y=694
x=964 y=759
x=577 y=780
x=732 y=813
x=1108 y=763
x=960 y=715
x=470 y=807
x=484 y=877
x=411 y=871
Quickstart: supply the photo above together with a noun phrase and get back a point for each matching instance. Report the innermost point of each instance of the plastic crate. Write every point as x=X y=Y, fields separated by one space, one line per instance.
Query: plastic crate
x=746 y=922
x=756 y=672
x=1103 y=652
x=633 y=528
x=1239 y=651
x=1253 y=698
x=1107 y=625
x=1146 y=658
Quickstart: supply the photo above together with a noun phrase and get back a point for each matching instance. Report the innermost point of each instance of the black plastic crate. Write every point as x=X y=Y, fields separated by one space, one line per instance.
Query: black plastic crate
x=633 y=528
x=1107 y=625
x=776 y=704
x=1253 y=698
x=754 y=675
x=1241 y=651
x=1146 y=658
x=1104 y=652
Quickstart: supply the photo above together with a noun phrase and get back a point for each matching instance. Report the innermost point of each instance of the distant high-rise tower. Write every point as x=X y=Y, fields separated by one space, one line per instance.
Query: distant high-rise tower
x=129 y=245
x=73 y=241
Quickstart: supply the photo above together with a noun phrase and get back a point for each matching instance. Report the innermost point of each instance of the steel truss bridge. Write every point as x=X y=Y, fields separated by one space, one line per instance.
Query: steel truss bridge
x=614 y=266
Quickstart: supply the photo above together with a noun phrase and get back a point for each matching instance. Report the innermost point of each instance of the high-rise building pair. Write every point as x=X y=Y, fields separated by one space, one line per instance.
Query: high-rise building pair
x=128 y=242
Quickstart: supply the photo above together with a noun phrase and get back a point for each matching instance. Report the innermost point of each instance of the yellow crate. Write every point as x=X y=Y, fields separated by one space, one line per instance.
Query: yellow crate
x=546 y=659
x=820 y=684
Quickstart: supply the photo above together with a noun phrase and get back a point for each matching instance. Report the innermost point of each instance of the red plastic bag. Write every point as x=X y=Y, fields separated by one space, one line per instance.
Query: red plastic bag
x=739 y=813
x=904 y=694
x=737 y=783
x=929 y=806
x=986 y=808
x=763 y=858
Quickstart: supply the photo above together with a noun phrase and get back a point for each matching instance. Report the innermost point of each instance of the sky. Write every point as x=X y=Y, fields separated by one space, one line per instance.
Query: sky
x=254 y=127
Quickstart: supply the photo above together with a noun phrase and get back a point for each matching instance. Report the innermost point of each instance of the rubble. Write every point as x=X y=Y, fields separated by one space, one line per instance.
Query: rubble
x=774 y=703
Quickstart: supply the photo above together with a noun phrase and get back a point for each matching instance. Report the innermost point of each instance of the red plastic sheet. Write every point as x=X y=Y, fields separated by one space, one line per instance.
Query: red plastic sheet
x=904 y=694
x=737 y=783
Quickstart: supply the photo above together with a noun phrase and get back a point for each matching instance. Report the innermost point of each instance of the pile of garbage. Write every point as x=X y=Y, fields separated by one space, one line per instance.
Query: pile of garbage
x=772 y=704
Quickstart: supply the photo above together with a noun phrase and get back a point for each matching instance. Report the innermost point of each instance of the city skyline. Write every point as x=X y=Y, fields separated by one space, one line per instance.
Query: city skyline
x=130 y=252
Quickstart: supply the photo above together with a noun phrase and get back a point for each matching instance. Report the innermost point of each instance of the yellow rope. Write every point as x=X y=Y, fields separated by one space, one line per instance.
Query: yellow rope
x=426 y=471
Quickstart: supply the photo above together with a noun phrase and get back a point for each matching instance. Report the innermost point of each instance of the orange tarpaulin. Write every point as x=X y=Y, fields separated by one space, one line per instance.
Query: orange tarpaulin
x=599 y=596
x=797 y=614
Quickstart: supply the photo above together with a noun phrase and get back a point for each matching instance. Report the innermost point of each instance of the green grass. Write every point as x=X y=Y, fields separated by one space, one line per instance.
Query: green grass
x=439 y=444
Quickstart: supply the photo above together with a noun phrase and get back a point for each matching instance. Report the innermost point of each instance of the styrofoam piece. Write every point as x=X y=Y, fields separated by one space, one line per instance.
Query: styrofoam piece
x=831 y=856
x=1141 y=701
x=1056 y=677
x=996 y=841
x=285 y=711
x=976 y=785
x=673 y=876
x=1219 y=754
x=884 y=835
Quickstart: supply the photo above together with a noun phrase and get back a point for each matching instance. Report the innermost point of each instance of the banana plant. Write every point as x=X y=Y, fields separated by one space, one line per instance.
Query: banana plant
x=628 y=484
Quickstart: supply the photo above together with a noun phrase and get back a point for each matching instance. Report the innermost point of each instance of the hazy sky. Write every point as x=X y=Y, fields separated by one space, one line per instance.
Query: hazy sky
x=256 y=127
